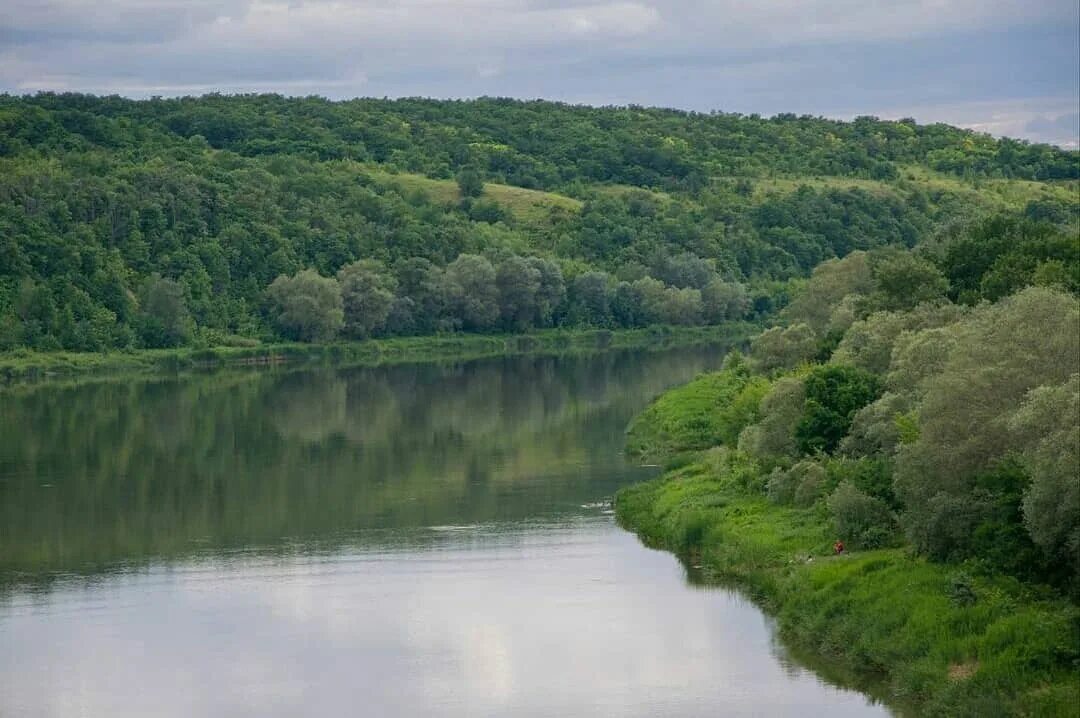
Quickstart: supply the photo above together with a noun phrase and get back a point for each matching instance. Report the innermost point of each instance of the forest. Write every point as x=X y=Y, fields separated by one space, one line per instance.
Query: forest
x=922 y=408
x=235 y=220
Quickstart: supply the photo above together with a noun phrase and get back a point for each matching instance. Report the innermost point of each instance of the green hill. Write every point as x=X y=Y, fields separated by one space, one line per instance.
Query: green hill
x=131 y=224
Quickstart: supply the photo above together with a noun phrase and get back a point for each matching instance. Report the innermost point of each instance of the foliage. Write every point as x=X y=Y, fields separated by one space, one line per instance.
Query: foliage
x=861 y=520
x=999 y=354
x=470 y=182
x=1047 y=425
x=708 y=411
x=903 y=280
x=834 y=393
x=164 y=320
x=996 y=256
x=869 y=342
x=784 y=347
x=306 y=306
x=830 y=283
x=221 y=195
x=781 y=409
x=367 y=294
x=891 y=618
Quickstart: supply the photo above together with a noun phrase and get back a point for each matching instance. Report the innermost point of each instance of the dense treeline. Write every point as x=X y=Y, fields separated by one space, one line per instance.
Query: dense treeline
x=529 y=144
x=952 y=425
x=472 y=293
x=923 y=408
x=130 y=224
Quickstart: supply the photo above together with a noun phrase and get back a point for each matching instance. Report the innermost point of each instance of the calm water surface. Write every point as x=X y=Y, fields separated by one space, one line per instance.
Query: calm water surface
x=417 y=540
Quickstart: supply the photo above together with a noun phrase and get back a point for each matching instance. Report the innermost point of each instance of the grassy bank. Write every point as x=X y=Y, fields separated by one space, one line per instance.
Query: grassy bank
x=23 y=365
x=927 y=638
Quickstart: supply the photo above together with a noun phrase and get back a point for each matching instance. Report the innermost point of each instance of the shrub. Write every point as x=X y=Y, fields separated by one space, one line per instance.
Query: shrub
x=781 y=486
x=861 y=520
x=811 y=477
x=834 y=393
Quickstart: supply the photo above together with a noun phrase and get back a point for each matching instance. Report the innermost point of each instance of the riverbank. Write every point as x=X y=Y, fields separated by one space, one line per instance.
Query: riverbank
x=22 y=365
x=926 y=638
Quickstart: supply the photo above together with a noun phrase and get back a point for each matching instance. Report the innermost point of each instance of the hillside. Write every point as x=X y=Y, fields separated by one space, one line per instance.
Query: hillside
x=892 y=471
x=137 y=224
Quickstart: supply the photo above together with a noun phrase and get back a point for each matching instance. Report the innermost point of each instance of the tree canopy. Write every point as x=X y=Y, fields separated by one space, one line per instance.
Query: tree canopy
x=631 y=216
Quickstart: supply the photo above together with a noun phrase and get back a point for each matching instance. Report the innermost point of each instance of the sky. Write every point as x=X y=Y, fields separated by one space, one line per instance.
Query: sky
x=1007 y=67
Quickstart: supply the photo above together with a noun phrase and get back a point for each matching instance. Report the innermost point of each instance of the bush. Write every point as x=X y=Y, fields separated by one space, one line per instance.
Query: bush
x=811 y=477
x=871 y=476
x=781 y=486
x=861 y=520
x=834 y=393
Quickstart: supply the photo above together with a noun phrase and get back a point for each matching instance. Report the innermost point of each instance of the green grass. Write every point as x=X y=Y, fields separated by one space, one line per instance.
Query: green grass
x=929 y=639
x=527 y=206
x=889 y=618
x=23 y=365
x=708 y=411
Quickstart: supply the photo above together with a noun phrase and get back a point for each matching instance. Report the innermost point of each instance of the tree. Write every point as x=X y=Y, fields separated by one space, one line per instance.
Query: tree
x=1046 y=429
x=627 y=305
x=306 y=306
x=724 y=301
x=472 y=294
x=874 y=428
x=36 y=309
x=551 y=293
x=680 y=306
x=518 y=283
x=683 y=270
x=783 y=347
x=869 y=342
x=861 y=520
x=995 y=357
x=904 y=280
x=367 y=294
x=834 y=393
x=470 y=182
x=590 y=300
x=650 y=293
x=422 y=282
x=831 y=281
x=164 y=318
x=781 y=409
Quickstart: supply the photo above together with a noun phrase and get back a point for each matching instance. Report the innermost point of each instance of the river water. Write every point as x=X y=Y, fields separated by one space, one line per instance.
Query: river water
x=399 y=541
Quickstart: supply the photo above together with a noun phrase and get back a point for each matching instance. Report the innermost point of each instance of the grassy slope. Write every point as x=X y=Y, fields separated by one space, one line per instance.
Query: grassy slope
x=695 y=416
x=534 y=207
x=528 y=206
x=898 y=622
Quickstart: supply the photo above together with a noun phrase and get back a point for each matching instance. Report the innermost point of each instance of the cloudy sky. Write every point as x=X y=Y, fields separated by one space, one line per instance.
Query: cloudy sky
x=1007 y=67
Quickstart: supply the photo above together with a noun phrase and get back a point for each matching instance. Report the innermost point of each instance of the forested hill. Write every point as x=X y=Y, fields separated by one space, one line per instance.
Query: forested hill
x=221 y=219
x=529 y=144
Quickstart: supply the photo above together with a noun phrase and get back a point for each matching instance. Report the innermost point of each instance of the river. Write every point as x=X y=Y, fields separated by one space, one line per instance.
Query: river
x=431 y=539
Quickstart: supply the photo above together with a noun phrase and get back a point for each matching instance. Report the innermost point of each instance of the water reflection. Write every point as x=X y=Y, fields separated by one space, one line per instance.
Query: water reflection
x=415 y=540
x=535 y=619
x=101 y=474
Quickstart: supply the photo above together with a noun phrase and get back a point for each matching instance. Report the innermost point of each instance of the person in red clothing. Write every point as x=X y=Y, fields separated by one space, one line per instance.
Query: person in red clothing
x=838 y=547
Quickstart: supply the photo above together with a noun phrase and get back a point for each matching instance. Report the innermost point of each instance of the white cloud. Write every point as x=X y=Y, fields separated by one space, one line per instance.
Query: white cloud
x=1049 y=119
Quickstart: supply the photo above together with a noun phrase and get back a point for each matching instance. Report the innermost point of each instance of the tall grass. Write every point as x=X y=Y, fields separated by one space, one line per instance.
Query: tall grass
x=939 y=640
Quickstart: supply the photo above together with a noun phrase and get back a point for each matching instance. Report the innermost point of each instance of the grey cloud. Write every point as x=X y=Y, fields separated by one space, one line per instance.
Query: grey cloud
x=832 y=57
x=1068 y=122
x=31 y=22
